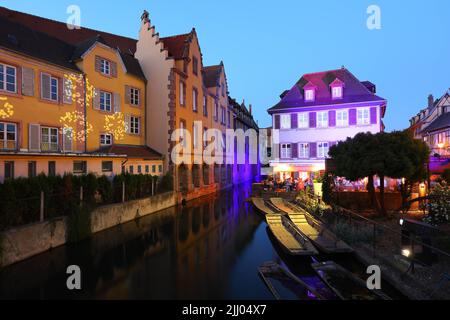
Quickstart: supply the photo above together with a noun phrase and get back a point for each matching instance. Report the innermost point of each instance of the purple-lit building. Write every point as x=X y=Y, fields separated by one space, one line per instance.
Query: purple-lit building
x=320 y=110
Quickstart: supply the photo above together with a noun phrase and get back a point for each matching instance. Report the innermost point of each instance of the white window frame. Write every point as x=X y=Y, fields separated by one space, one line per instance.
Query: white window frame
x=303 y=150
x=216 y=111
x=195 y=134
x=322 y=119
x=4 y=141
x=54 y=84
x=285 y=121
x=303 y=120
x=135 y=96
x=361 y=118
x=321 y=148
x=105 y=94
x=4 y=78
x=104 y=138
x=105 y=66
x=342 y=121
x=182 y=97
x=135 y=125
x=286 y=151
x=194 y=100
x=49 y=139
x=337 y=92
x=310 y=95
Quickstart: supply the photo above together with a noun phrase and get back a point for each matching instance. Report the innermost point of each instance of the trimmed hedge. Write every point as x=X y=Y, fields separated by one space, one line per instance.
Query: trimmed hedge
x=20 y=198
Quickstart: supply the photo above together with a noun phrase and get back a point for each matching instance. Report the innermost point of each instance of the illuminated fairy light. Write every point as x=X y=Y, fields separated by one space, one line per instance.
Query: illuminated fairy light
x=74 y=120
x=7 y=110
x=116 y=125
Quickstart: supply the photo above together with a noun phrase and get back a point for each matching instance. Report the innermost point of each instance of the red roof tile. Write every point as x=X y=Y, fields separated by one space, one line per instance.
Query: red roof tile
x=132 y=151
x=176 y=45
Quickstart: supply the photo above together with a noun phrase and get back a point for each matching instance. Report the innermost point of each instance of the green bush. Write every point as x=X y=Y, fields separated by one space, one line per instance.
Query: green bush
x=166 y=183
x=351 y=234
x=79 y=224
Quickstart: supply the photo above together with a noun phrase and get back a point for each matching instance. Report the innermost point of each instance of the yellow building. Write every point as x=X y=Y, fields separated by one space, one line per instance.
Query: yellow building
x=67 y=108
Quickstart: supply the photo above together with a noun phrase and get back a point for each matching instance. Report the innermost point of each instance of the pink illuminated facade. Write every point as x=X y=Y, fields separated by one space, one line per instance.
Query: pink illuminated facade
x=319 y=111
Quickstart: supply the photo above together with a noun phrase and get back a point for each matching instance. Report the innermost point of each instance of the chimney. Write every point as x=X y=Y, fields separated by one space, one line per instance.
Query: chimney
x=430 y=101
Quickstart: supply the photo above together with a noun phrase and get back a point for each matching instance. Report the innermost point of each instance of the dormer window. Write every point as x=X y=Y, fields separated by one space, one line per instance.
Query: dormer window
x=336 y=92
x=105 y=67
x=310 y=95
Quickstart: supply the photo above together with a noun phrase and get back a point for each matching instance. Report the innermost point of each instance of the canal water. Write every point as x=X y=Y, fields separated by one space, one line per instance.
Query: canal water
x=209 y=249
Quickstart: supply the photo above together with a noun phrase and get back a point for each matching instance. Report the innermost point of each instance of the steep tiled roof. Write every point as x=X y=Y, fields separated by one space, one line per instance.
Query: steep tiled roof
x=60 y=31
x=132 y=151
x=354 y=90
x=54 y=40
x=441 y=122
x=211 y=75
x=21 y=39
x=176 y=45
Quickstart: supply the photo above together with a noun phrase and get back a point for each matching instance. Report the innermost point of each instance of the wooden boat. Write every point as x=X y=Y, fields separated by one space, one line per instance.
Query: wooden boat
x=284 y=285
x=292 y=241
x=345 y=284
x=262 y=207
x=315 y=230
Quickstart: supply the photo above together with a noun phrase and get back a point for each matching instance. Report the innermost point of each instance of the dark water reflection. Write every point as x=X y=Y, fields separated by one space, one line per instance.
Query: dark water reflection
x=210 y=249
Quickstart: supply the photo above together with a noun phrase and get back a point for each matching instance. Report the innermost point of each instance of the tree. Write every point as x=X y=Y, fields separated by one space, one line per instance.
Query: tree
x=396 y=155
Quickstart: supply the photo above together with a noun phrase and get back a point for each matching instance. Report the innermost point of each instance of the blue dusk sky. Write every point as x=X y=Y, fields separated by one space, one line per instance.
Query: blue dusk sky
x=267 y=45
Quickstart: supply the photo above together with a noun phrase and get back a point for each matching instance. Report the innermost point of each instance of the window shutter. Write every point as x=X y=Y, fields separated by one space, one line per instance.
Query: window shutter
x=113 y=69
x=67 y=139
x=127 y=94
x=67 y=91
x=313 y=150
x=28 y=82
x=373 y=115
x=61 y=90
x=294 y=121
x=45 y=86
x=294 y=147
x=116 y=102
x=96 y=99
x=34 y=137
x=127 y=123
x=98 y=64
x=332 y=118
x=277 y=122
x=312 y=119
x=279 y=151
x=352 y=117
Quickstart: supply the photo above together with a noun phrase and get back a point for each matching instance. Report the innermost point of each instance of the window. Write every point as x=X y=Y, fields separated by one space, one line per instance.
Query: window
x=303 y=120
x=223 y=89
x=131 y=169
x=9 y=170
x=107 y=166
x=194 y=100
x=105 y=101
x=223 y=116
x=303 y=150
x=31 y=169
x=153 y=169
x=285 y=121
x=105 y=139
x=182 y=133
x=147 y=169
x=8 y=78
x=51 y=168
x=182 y=94
x=105 y=67
x=216 y=111
x=160 y=169
x=195 y=65
x=228 y=119
x=79 y=167
x=49 y=87
x=135 y=97
x=322 y=119
x=336 y=92
x=309 y=95
x=205 y=106
x=139 y=169
x=49 y=139
x=342 y=118
x=322 y=149
x=134 y=125
x=363 y=116
x=195 y=134
x=8 y=136
x=286 y=151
